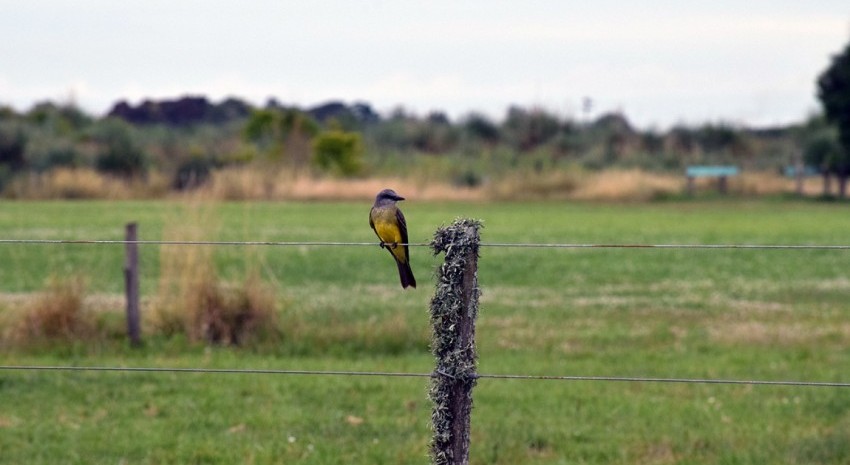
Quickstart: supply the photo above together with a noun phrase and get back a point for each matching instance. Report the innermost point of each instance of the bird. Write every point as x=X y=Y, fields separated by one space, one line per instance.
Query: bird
x=389 y=224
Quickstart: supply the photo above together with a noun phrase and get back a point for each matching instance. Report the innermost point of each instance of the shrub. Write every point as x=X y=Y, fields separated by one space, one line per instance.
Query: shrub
x=339 y=151
x=480 y=127
x=13 y=142
x=120 y=155
x=192 y=173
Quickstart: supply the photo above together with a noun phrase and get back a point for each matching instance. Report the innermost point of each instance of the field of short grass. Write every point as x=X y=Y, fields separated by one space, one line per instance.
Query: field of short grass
x=739 y=314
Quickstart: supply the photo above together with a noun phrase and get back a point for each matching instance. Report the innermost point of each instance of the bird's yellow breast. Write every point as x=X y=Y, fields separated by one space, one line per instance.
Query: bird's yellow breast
x=387 y=231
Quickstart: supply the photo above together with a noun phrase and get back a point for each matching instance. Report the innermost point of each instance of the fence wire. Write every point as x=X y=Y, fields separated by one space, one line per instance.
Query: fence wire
x=390 y=374
x=428 y=244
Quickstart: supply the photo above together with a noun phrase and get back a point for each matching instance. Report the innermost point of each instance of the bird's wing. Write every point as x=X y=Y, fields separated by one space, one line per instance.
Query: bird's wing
x=402 y=225
x=371 y=222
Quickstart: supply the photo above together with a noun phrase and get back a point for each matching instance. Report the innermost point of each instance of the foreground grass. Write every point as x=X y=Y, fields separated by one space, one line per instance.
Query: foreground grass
x=738 y=314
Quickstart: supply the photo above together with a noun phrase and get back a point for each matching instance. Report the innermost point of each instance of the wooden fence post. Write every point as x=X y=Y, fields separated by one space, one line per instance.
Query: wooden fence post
x=454 y=309
x=131 y=284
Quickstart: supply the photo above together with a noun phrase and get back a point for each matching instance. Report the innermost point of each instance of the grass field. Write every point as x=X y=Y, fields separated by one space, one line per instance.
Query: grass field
x=740 y=314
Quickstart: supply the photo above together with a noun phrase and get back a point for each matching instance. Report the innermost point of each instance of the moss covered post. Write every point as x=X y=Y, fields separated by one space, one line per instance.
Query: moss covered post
x=454 y=309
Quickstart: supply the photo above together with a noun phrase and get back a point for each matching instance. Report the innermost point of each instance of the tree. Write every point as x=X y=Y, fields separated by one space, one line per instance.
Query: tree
x=821 y=150
x=834 y=93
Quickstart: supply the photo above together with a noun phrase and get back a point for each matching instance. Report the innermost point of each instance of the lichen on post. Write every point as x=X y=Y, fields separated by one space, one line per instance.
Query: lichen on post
x=454 y=309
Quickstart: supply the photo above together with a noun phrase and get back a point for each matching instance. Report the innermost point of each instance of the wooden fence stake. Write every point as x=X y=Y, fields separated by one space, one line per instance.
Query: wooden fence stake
x=131 y=284
x=454 y=309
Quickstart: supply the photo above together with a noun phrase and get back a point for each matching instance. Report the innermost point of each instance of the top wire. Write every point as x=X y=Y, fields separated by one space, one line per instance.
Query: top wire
x=427 y=244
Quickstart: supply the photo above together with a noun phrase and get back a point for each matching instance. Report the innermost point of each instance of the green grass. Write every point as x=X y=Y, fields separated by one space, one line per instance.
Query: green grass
x=742 y=314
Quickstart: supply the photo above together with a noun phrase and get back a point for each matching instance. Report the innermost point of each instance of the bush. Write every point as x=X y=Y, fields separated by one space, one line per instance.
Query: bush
x=192 y=173
x=481 y=128
x=339 y=151
x=13 y=143
x=51 y=154
x=120 y=155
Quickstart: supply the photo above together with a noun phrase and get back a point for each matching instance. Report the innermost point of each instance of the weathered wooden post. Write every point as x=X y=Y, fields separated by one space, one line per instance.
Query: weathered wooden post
x=131 y=284
x=454 y=309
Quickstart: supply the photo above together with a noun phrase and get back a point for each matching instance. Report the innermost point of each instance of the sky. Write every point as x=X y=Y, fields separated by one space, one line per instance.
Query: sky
x=659 y=62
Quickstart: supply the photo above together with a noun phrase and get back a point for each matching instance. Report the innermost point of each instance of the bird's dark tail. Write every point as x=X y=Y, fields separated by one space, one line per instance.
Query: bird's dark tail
x=406 y=275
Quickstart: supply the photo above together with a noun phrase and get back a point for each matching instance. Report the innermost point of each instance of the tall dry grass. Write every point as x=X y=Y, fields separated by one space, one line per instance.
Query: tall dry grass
x=621 y=185
x=84 y=183
x=251 y=183
x=534 y=186
x=56 y=314
x=771 y=183
x=255 y=182
x=192 y=300
x=627 y=185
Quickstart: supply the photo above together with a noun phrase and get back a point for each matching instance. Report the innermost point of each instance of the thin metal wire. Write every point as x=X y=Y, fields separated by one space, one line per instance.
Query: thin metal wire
x=672 y=246
x=244 y=371
x=426 y=244
x=670 y=380
x=150 y=242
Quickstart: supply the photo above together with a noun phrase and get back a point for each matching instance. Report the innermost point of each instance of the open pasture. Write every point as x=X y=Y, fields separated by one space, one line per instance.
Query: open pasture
x=730 y=314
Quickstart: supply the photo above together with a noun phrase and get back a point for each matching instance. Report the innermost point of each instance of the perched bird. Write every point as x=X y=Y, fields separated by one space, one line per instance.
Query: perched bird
x=388 y=222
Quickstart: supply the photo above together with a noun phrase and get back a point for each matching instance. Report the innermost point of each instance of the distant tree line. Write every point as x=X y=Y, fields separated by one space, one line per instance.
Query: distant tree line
x=189 y=137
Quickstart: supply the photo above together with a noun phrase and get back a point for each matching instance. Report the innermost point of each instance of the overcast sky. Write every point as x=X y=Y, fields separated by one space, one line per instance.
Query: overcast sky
x=660 y=62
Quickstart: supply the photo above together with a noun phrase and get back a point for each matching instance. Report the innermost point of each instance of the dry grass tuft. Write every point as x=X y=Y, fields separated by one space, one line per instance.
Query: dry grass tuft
x=193 y=301
x=229 y=314
x=57 y=314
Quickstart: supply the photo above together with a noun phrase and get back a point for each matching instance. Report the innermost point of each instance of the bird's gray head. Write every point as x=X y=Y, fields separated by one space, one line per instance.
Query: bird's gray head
x=388 y=194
